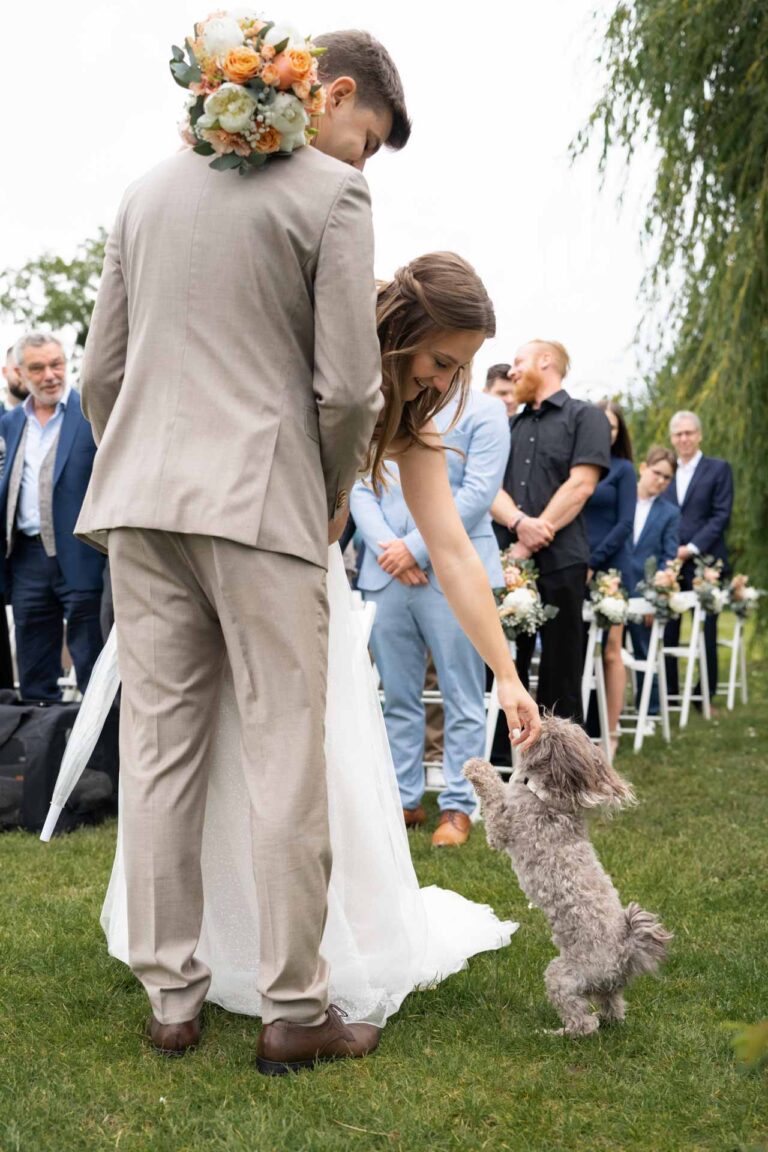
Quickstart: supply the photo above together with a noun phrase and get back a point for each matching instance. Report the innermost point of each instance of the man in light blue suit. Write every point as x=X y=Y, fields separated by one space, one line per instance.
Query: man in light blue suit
x=413 y=616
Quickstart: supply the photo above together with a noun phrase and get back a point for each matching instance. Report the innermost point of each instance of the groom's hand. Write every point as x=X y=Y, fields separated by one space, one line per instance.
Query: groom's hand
x=396 y=558
x=337 y=525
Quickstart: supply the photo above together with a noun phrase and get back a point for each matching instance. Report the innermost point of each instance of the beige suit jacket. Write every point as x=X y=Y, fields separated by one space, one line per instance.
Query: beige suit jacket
x=232 y=368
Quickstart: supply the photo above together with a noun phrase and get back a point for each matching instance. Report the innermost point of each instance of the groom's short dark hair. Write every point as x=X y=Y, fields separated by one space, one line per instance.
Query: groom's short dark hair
x=357 y=54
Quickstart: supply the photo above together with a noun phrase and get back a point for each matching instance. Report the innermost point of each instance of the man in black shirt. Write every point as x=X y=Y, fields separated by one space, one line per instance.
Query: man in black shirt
x=561 y=447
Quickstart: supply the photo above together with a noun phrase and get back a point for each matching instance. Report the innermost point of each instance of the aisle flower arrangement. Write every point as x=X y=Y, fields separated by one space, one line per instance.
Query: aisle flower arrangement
x=661 y=588
x=608 y=598
x=706 y=584
x=742 y=597
x=520 y=606
x=253 y=87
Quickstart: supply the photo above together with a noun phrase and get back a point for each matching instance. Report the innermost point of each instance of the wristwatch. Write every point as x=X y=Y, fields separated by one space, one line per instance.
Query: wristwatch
x=514 y=524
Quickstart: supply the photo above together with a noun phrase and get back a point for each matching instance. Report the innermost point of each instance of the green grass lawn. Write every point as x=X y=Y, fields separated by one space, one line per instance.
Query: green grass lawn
x=466 y=1066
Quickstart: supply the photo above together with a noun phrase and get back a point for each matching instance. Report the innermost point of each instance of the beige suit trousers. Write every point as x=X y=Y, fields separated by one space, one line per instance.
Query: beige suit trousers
x=185 y=604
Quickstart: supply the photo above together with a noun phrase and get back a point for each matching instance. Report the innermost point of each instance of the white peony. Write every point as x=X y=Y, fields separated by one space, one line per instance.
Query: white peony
x=719 y=599
x=231 y=106
x=287 y=32
x=287 y=116
x=614 y=608
x=678 y=603
x=520 y=599
x=220 y=35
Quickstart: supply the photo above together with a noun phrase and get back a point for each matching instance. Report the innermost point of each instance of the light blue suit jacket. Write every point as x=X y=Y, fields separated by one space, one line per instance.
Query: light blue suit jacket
x=475 y=473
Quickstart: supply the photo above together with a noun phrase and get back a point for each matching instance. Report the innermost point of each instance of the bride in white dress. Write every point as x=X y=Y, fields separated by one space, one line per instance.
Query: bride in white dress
x=384 y=935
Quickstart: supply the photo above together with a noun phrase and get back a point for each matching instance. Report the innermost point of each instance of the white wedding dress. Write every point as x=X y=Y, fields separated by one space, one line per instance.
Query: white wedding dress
x=384 y=935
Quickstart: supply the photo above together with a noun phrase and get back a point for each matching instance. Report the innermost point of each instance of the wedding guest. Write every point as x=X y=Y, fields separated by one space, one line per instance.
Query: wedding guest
x=609 y=515
x=497 y=383
x=703 y=491
x=15 y=390
x=413 y=616
x=52 y=577
x=560 y=449
x=656 y=533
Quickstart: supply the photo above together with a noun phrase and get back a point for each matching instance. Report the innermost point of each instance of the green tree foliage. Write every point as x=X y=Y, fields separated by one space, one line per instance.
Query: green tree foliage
x=51 y=292
x=689 y=79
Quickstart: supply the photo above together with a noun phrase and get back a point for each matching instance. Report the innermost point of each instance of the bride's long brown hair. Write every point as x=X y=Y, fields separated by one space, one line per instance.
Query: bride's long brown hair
x=438 y=292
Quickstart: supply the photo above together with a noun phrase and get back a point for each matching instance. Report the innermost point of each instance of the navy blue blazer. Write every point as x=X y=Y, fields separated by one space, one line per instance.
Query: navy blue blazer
x=81 y=566
x=706 y=510
x=609 y=515
x=660 y=538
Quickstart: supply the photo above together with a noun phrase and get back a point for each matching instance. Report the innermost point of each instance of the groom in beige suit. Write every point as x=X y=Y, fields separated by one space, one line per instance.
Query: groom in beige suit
x=232 y=378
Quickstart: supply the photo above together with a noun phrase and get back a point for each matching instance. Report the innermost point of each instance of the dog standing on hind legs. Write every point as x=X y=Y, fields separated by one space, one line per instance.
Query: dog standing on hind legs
x=539 y=820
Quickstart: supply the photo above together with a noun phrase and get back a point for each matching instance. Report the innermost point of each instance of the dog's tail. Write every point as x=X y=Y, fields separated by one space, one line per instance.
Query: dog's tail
x=647 y=939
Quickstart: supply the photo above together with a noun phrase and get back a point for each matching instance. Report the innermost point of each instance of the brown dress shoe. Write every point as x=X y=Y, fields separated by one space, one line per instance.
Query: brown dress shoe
x=286 y=1047
x=174 y=1039
x=452 y=828
x=414 y=817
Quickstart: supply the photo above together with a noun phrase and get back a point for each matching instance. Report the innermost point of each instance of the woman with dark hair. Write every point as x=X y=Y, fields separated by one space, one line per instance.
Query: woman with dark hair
x=610 y=516
x=384 y=936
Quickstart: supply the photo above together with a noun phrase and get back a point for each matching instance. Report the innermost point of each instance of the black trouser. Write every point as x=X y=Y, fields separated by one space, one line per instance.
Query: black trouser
x=672 y=640
x=562 y=644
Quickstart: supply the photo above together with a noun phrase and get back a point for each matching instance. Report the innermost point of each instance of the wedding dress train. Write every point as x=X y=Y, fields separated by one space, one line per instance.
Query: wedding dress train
x=384 y=935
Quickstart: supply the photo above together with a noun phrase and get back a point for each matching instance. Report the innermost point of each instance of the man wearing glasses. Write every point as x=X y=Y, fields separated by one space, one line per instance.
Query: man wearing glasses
x=50 y=576
x=703 y=491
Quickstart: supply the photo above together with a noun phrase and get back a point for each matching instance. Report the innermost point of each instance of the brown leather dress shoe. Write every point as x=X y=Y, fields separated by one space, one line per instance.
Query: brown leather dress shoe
x=453 y=828
x=286 y=1047
x=414 y=817
x=174 y=1039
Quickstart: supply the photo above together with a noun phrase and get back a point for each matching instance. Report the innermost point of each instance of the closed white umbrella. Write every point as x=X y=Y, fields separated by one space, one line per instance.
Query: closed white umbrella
x=98 y=699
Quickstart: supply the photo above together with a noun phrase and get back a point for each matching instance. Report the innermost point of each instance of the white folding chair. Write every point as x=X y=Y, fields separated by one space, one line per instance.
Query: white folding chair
x=737 y=669
x=695 y=654
x=650 y=665
x=593 y=679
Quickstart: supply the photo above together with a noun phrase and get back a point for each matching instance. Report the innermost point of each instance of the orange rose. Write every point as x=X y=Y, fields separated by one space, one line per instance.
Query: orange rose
x=268 y=141
x=293 y=65
x=270 y=75
x=241 y=64
x=315 y=105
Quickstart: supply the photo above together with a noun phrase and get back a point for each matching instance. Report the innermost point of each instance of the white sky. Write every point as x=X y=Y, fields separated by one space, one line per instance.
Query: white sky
x=496 y=92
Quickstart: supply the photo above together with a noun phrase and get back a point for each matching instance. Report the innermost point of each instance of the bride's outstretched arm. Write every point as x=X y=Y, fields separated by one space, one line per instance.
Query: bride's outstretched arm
x=463 y=579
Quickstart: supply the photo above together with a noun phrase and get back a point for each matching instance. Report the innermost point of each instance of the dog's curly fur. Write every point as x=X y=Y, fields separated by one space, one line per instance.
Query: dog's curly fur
x=539 y=820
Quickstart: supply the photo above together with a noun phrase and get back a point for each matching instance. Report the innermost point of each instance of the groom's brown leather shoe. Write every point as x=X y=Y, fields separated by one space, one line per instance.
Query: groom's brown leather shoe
x=286 y=1047
x=174 y=1039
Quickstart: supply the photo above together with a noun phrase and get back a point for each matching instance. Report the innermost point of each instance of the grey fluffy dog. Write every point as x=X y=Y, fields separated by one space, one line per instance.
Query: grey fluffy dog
x=539 y=819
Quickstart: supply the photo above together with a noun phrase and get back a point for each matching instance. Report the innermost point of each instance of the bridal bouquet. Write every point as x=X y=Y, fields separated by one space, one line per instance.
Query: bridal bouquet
x=742 y=598
x=661 y=588
x=706 y=584
x=520 y=606
x=253 y=86
x=608 y=598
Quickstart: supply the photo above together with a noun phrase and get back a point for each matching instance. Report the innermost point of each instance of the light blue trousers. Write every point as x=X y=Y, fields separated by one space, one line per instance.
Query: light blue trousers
x=410 y=622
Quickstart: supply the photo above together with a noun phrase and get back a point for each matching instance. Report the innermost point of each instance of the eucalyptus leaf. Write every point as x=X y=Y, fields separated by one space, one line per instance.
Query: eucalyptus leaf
x=177 y=53
x=203 y=149
x=196 y=111
x=224 y=163
x=281 y=47
x=263 y=32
